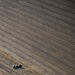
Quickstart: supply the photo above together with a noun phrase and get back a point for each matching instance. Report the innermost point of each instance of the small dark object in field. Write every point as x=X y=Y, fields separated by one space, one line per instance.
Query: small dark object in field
x=20 y=66
x=17 y=67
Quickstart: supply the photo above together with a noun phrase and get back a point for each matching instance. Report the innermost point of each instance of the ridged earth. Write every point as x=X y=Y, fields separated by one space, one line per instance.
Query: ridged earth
x=41 y=32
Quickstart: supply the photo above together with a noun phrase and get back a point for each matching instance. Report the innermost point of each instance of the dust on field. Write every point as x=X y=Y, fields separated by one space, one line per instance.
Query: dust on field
x=8 y=60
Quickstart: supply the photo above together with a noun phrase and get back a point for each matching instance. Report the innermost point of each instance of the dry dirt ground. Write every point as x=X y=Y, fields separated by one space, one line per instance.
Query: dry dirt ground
x=7 y=60
x=39 y=34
